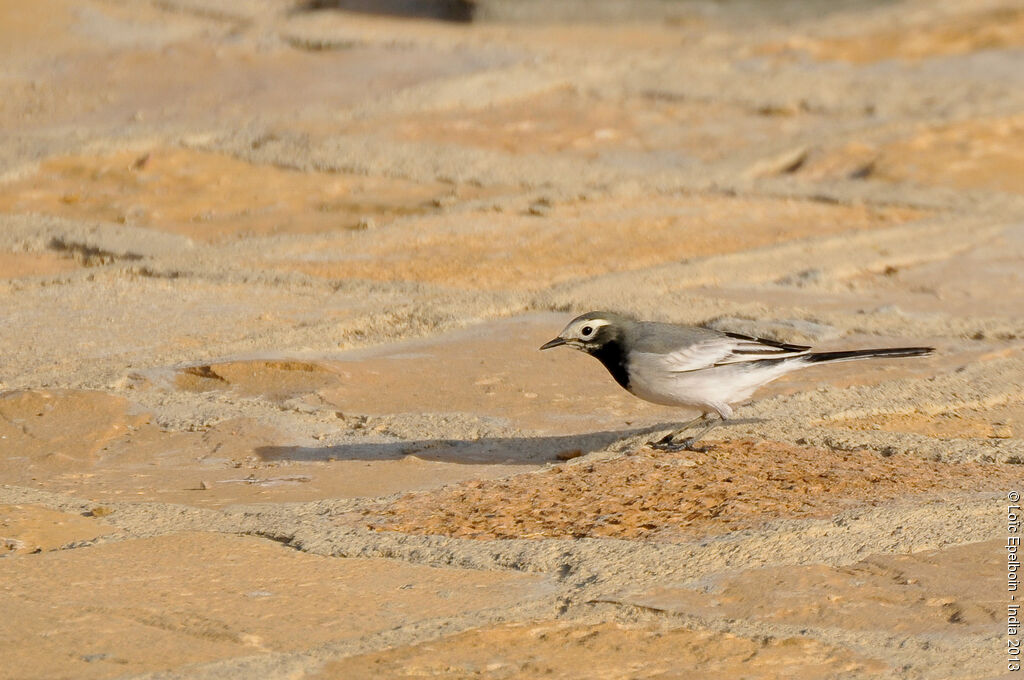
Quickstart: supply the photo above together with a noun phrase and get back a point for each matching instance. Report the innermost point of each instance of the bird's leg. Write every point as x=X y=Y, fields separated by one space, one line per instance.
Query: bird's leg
x=668 y=443
x=688 y=443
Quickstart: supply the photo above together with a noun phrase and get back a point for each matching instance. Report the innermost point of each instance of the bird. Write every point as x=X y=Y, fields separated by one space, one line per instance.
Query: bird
x=694 y=366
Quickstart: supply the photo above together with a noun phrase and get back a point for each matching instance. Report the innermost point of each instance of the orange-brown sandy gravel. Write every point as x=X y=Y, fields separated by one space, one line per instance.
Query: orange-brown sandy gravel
x=678 y=496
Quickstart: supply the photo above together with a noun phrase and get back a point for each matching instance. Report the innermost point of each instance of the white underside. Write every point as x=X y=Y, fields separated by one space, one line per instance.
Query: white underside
x=707 y=389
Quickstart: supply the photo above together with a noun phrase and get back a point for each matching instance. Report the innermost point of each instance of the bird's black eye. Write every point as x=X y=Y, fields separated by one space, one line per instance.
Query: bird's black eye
x=587 y=330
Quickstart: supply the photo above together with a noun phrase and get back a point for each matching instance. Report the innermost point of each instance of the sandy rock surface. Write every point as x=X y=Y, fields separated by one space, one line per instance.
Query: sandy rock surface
x=272 y=279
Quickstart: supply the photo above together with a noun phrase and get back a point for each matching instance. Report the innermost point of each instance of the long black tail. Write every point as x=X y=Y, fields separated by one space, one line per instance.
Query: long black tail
x=852 y=355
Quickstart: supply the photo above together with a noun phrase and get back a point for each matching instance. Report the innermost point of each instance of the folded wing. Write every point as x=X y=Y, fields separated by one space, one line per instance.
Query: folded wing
x=729 y=348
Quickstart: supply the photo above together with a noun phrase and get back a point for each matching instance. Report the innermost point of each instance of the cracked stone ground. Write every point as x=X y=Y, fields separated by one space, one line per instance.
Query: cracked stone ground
x=272 y=280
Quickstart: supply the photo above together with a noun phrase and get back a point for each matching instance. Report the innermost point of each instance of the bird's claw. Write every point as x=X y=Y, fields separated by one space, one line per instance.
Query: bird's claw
x=669 y=444
x=664 y=444
x=690 y=444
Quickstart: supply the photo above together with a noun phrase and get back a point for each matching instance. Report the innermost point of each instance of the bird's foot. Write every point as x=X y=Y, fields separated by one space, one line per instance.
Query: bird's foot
x=668 y=443
x=690 y=444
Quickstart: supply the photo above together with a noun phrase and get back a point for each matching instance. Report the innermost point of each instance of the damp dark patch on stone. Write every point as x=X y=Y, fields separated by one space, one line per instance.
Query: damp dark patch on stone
x=458 y=11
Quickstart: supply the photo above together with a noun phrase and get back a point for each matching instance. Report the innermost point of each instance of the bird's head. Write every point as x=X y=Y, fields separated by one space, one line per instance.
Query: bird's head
x=590 y=332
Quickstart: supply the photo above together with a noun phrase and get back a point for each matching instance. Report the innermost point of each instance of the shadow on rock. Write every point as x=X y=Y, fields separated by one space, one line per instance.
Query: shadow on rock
x=486 y=450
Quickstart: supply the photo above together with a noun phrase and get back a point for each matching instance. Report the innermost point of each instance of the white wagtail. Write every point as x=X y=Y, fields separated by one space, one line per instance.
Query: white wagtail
x=692 y=366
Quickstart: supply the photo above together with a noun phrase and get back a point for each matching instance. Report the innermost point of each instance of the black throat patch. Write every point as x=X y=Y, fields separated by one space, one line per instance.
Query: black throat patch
x=614 y=359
